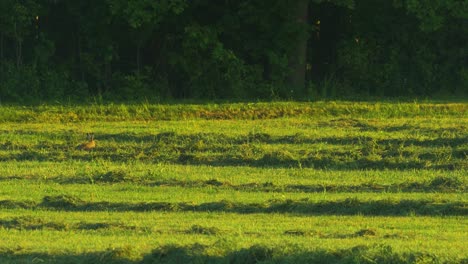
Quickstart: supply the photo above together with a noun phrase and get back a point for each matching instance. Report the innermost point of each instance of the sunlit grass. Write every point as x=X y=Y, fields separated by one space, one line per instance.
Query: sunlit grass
x=290 y=182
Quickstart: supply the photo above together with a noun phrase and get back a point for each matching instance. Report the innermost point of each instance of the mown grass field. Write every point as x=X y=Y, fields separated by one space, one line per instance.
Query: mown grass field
x=323 y=182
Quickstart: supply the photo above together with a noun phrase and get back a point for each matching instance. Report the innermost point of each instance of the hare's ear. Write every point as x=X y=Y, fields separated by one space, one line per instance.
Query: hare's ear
x=91 y=136
x=87 y=135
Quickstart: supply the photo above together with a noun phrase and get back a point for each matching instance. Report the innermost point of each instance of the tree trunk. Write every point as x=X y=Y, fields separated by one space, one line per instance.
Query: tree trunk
x=19 y=46
x=19 y=53
x=80 y=59
x=297 y=59
x=138 y=56
x=1 y=46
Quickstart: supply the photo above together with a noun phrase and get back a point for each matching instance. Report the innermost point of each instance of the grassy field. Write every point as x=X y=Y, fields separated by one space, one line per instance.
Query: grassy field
x=323 y=182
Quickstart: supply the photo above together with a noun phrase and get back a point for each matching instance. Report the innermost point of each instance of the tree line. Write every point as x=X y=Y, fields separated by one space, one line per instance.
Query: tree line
x=231 y=49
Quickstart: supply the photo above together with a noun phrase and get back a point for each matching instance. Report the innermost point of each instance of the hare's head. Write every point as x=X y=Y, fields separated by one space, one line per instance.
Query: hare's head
x=90 y=136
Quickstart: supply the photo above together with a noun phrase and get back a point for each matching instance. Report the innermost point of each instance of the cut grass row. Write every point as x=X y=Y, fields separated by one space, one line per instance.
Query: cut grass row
x=130 y=193
x=213 y=253
x=102 y=171
x=195 y=223
x=260 y=149
x=322 y=142
x=349 y=206
x=141 y=235
x=200 y=253
x=438 y=184
x=243 y=179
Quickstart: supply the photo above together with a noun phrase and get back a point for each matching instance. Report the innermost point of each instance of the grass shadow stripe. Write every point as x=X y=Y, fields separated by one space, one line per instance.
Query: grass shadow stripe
x=198 y=253
x=35 y=223
x=350 y=206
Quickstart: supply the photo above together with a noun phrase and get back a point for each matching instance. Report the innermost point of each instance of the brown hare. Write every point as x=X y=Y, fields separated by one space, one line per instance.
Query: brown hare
x=91 y=144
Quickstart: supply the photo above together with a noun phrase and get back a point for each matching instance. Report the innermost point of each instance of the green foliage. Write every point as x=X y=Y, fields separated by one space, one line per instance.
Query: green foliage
x=18 y=21
x=137 y=86
x=433 y=15
x=213 y=70
x=18 y=84
x=30 y=84
x=118 y=50
x=148 y=12
x=389 y=52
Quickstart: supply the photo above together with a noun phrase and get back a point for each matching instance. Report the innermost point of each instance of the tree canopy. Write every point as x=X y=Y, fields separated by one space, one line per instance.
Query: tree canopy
x=234 y=49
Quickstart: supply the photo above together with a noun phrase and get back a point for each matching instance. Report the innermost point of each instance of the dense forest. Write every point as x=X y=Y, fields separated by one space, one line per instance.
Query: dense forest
x=231 y=49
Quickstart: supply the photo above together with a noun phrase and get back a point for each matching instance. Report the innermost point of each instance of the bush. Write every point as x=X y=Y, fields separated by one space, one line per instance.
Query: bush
x=30 y=84
x=137 y=85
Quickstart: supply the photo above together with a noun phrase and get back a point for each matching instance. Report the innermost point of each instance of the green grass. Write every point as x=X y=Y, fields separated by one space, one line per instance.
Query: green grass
x=324 y=182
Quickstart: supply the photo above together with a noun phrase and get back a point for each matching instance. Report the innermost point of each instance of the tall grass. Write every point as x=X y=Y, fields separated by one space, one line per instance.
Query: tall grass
x=146 y=111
